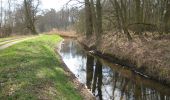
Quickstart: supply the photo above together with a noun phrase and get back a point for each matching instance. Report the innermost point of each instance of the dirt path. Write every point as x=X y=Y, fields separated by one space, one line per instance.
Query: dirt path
x=9 y=43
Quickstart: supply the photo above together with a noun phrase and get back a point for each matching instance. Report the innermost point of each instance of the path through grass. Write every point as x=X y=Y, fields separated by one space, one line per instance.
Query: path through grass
x=31 y=70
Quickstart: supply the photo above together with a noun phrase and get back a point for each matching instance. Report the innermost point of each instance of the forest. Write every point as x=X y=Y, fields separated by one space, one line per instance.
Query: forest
x=125 y=16
x=86 y=50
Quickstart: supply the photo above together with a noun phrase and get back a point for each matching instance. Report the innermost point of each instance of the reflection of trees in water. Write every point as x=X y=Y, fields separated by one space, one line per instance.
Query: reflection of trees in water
x=70 y=47
x=99 y=72
x=100 y=76
x=75 y=58
x=89 y=71
x=135 y=91
x=94 y=76
x=107 y=82
x=82 y=65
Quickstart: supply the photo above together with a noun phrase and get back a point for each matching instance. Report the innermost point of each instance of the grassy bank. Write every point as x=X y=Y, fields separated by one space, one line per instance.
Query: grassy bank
x=31 y=70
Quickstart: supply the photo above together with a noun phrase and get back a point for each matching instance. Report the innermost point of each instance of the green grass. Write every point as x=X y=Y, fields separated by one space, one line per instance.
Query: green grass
x=31 y=70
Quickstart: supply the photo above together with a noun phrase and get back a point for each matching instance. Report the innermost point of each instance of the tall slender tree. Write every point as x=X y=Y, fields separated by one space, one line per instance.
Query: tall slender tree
x=167 y=17
x=88 y=18
x=98 y=21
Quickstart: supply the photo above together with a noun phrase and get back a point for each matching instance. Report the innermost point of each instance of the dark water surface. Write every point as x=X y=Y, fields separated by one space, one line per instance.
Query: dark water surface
x=109 y=81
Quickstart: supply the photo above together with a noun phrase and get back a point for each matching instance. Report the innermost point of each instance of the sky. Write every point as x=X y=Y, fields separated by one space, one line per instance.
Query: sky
x=48 y=4
x=57 y=4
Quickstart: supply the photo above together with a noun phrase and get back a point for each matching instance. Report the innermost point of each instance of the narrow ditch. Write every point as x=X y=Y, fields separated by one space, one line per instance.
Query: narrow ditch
x=109 y=81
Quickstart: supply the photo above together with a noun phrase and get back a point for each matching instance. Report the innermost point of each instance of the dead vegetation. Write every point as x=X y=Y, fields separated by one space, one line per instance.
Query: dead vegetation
x=64 y=33
x=151 y=54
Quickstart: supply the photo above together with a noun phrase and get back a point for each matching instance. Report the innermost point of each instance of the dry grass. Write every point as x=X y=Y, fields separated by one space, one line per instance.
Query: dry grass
x=64 y=33
x=149 y=53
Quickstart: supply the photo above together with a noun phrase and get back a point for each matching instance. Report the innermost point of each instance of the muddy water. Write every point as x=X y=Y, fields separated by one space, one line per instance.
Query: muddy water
x=109 y=81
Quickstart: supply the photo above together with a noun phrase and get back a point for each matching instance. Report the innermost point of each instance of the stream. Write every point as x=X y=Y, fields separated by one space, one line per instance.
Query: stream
x=106 y=80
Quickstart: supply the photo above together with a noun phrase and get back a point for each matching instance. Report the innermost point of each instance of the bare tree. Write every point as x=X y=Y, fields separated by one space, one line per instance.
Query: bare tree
x=121 y=18
x=1 y=14
x=31 y=10
x=167 y=17
x=98 y=21
x=88 y=18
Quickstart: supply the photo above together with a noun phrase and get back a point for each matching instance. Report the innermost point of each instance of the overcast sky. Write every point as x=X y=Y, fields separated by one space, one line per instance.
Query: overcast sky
x=47 y=4
x=57 y=4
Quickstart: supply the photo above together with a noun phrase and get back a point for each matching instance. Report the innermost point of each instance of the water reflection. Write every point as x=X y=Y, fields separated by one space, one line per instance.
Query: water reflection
x=94 y=76
x=75 y=58
x=109 y=81
x=89 y=71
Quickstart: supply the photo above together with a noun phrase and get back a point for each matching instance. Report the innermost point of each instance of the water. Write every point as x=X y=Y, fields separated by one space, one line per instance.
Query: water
x=109 y=81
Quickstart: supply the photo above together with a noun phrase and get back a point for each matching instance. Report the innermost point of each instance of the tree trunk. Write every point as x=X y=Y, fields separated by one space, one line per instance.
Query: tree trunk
x=138 y=11
x=139 y=18
x=99 y=21
x=29 y=17
x=167 y=18
x=93 y=10
x=1 y=15
x=88 y=19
